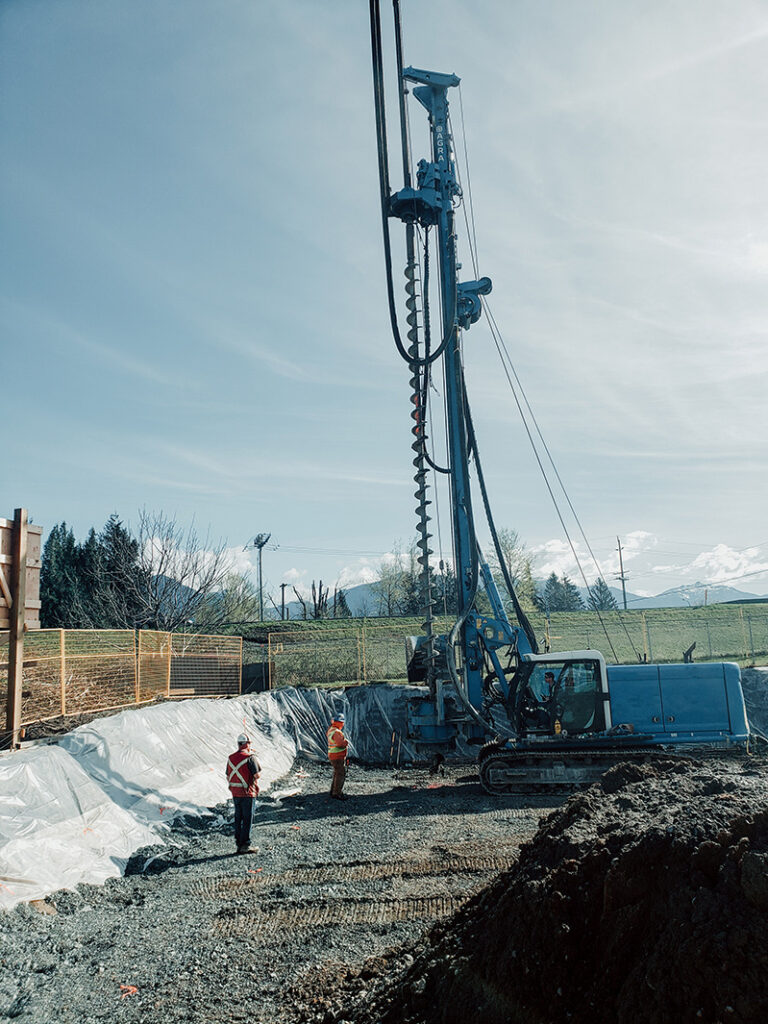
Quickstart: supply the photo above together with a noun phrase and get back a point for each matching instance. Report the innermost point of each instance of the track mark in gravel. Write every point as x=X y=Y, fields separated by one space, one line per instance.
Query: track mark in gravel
x=223 y=886
x=336 y=912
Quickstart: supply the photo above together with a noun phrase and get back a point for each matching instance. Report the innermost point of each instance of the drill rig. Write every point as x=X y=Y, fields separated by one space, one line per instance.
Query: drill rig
x=539 y=719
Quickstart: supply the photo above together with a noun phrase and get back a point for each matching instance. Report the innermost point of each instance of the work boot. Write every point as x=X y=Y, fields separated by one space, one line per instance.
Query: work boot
x=247 y=849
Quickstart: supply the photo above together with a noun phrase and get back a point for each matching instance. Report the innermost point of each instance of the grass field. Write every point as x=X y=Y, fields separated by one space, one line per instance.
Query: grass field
x=362 y=650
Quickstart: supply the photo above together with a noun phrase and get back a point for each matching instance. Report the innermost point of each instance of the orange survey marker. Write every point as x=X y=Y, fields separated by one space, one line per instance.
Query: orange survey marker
x=128 y=990
x=296 y=827
x=254 y=871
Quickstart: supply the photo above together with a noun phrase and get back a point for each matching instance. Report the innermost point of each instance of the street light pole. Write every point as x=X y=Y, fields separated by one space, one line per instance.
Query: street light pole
x=259 y=542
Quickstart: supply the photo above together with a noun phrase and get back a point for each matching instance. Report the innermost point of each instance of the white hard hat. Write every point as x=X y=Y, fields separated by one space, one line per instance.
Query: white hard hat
x=242 y=739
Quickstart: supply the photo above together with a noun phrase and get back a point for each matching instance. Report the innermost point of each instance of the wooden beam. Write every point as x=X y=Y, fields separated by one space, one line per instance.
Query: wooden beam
x=5 y=589
x=16 y=645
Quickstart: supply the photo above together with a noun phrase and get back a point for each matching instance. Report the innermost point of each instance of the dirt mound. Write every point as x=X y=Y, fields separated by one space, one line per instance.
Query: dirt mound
x=643 y=899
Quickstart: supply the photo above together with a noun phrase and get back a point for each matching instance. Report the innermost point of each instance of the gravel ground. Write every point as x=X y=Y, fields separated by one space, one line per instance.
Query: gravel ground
x=197 y=934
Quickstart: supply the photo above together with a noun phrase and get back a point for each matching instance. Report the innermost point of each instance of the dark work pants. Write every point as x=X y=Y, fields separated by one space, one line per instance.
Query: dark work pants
x=243 y=819
x=339 y=774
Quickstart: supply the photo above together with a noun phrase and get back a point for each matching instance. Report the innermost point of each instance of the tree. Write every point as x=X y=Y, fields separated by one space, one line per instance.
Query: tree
x=318 y=608
x=600 y=597
x=571 y=598
x=341 y=609
x=559 y=595
x=319 y=601
x=519 y=567
x=238 y=601
x=162 y=579
x=179 y=572
x=59 y=579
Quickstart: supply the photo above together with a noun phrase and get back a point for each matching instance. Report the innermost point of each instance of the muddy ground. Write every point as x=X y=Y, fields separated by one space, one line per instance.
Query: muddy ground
x=200 y=935
x=424 y=900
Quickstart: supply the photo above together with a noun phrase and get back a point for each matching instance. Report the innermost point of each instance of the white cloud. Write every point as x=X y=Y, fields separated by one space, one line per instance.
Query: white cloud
x=293 y=575
x=360 y=572
x=723 y=564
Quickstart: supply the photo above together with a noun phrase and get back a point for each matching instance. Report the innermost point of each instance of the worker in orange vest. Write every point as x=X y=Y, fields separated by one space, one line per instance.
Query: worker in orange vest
x=337 y=755
x=243 y=771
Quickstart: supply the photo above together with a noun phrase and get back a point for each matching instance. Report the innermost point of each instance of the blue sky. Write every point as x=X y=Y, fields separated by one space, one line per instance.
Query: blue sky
x=192 y=289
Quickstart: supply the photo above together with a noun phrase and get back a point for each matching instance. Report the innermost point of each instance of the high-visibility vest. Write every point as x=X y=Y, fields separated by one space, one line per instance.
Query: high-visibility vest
x=337 y=744
x=240 y=778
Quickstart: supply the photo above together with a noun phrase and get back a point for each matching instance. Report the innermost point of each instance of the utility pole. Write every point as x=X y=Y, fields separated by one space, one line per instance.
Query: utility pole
x=259 y=542
x=282 y=600
x=622 y=576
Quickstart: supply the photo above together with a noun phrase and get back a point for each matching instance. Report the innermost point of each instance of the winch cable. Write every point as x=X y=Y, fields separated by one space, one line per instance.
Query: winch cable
x=504 y=352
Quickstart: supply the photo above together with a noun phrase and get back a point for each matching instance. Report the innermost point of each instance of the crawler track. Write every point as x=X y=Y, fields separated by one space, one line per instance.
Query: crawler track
x=299 y=917
x=225 y=887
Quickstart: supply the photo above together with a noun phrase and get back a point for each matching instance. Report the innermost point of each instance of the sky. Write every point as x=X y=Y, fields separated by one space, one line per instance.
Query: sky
x=192 y=292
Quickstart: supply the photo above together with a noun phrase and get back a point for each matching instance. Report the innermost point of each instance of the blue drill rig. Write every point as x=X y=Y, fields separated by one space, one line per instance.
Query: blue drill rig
x=537 y=719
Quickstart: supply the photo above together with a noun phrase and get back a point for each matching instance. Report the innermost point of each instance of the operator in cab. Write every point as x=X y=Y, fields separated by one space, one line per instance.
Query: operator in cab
x=541 y=693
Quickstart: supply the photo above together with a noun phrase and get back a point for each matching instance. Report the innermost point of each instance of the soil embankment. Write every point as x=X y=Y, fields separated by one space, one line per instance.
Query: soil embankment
x=643 y=899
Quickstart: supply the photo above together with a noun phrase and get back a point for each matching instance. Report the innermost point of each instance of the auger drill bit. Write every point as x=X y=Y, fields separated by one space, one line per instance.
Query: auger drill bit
x=420 y=476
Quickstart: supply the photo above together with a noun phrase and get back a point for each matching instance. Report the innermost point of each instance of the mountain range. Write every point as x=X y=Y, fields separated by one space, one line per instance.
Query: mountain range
x=363 y=600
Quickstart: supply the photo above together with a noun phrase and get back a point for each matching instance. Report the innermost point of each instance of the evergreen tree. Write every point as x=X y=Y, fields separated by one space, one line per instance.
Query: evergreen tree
x=59 y=578
x=341 y=608
x=549 y=599
x=559 y=595
x=600 y=597
x=570 y=597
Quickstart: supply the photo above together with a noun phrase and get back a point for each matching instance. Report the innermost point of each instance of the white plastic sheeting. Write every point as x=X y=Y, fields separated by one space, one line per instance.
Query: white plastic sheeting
x=76 y=812
x=57 y=828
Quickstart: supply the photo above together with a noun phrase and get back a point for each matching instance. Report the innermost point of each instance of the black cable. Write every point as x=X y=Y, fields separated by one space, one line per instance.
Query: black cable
x=381 y=142
x=521 y=616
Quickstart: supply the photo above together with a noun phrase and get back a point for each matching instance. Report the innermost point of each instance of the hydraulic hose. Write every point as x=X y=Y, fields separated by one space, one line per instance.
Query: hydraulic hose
x=381 y=143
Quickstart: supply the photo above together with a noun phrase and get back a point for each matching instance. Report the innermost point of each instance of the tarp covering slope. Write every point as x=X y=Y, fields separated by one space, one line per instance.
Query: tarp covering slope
x=76 y=812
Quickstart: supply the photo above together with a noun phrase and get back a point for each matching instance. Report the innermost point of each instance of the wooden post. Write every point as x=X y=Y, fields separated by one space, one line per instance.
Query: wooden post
x=63 y=671
x=16 y=645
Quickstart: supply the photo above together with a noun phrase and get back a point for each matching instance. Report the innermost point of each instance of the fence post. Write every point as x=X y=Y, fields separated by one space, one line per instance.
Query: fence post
x=240 y=688
x=137 y=673
x=743 y=633
x=647 y=639
x=365 y=665
x=63 y=671
x=17 y=624
x=751 y=638
x=168 y=668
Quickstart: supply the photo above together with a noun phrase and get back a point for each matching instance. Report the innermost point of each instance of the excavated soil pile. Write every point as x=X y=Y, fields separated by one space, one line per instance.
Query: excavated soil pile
x=643 y=899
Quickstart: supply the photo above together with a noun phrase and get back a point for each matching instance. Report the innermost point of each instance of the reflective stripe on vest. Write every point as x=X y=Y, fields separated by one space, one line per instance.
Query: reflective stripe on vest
x=332 y=748
x=236 y=779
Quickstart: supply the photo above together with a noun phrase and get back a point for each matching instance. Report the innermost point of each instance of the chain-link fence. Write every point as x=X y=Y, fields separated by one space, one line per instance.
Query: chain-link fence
x=351 y=654
x=719 y=633
x=73 y=671
x=367 y=651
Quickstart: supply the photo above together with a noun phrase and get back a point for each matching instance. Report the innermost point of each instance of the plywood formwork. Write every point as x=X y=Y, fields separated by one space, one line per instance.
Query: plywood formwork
x=32 y=603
